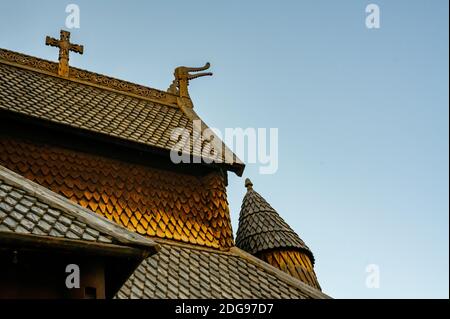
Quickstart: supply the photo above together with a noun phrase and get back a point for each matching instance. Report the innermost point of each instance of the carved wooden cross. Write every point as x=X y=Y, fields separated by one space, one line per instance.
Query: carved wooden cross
x=64 y=46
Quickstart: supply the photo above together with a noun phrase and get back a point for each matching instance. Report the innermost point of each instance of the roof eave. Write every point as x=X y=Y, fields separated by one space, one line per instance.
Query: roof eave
x=118 y=233
x=39 y=242
x=121 y=260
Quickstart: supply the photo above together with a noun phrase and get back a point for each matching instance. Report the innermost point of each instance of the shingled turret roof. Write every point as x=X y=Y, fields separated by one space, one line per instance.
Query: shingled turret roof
x=262 y=228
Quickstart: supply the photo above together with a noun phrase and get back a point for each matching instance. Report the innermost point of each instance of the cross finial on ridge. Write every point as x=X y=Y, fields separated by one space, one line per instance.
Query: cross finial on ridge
x=64 y=46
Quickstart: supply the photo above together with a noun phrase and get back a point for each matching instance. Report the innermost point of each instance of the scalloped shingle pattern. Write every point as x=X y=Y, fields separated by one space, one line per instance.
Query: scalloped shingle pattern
x=151 y=202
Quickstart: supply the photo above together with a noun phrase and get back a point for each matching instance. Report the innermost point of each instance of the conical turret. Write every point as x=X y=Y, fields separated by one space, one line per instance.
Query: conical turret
x=263 y=233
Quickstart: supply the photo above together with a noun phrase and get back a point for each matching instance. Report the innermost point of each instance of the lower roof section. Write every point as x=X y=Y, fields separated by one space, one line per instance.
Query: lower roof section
x=189 y=272
x=27 y=208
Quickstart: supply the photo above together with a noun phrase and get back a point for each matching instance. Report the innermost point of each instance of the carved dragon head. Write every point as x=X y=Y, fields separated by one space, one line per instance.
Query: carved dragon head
x=182 y=77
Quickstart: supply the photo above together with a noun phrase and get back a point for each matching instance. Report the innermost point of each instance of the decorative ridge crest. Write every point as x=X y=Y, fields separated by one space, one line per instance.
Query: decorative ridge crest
x=45 y=66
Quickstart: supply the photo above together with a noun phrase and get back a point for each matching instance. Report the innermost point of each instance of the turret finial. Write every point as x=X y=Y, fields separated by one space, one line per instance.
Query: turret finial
x=248 y=184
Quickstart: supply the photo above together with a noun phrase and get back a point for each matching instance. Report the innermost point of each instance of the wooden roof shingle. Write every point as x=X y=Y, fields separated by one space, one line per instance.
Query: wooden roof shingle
x=262 y=228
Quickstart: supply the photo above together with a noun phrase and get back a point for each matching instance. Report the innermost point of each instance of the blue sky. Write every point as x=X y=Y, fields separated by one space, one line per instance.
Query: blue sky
x=362 y=114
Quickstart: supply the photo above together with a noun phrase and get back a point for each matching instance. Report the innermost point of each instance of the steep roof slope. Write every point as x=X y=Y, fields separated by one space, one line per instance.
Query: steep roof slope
x=262 y=228
x=30 y=209
x=33 y=218
x=264 y=234
x=102 y=105
x=188 y=271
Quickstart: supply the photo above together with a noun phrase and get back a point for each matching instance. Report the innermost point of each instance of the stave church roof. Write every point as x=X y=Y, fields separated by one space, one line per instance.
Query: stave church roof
x=181 y=259
x=188 y=271
x=131 y=114
x=175 y=271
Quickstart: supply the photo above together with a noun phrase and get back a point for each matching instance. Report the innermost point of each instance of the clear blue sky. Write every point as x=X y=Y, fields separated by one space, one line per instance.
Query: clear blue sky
x=362 y=114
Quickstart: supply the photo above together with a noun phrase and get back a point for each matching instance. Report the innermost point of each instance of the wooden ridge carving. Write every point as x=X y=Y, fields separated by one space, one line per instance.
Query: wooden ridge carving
x=29 y=61
x=41 y=65
x=183 y=75
x=65 y=47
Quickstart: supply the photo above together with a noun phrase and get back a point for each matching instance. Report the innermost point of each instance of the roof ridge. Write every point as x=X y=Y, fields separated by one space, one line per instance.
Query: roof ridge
x=149 y=135
x=88 y=77
x=100 y=223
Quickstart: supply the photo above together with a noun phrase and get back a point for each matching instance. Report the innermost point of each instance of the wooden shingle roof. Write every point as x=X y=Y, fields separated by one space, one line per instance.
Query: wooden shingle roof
x=25 y=214
x=34 y=219
x=135 y=114
x=27 y=208
x=98 y=104
x=190 y=272
x=261 y=228
x=146 y=200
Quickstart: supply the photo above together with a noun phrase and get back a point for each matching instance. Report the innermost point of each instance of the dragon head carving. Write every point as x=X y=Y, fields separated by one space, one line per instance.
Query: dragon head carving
x=182 y=76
